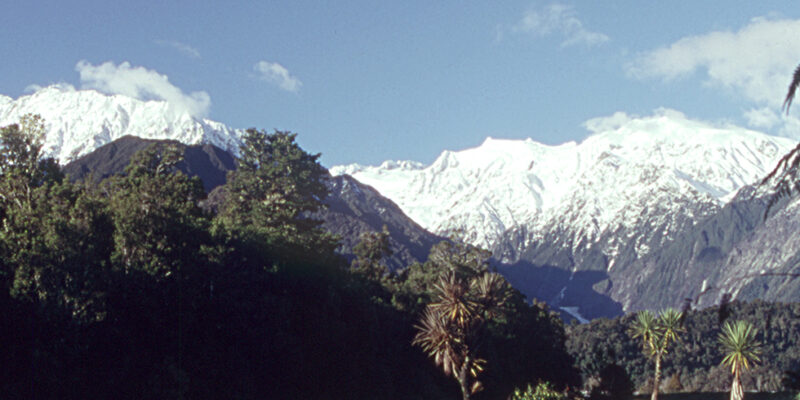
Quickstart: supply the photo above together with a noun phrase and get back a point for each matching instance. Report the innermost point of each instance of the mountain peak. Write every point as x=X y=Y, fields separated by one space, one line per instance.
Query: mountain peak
x=606 y=180
x=79 y=121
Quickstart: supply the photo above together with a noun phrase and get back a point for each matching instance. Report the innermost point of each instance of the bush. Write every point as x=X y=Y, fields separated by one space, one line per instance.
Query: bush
x=543 y=391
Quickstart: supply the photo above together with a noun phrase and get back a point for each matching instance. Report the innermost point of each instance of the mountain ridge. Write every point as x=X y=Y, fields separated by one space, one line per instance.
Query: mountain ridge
x=79 y=121
x=641 y=210
x=544 y=177
x=352 y=208
x=593 y=209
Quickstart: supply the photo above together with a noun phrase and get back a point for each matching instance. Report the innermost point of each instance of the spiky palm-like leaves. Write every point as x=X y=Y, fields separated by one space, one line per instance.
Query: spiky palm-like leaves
x=451 y=329
x=792 y=89
x=656 y=334
x=670 y=326
x=786 y=169
x=440 y=341
x=645 y=328
x=738 y=341
x=454 y=301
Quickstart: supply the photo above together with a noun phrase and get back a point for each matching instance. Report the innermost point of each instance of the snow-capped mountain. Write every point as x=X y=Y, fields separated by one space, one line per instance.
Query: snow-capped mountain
x=613 y=178
x=641 y=214
x=598 y=205
x=79 y=121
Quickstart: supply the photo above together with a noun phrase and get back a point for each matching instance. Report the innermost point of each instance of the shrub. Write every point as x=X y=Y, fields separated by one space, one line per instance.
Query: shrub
x=543 y=391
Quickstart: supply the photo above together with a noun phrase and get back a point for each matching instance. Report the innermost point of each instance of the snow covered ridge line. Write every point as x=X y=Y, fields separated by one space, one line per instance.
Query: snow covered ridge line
x=628 y=168
x=79 y=121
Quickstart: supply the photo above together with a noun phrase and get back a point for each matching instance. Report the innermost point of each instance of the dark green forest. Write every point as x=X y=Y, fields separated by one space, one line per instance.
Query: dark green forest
x=137 y=287
x=692 y=364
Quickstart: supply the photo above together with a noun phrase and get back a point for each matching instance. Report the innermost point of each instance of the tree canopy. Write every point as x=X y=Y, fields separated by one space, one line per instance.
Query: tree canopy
x=127 y=288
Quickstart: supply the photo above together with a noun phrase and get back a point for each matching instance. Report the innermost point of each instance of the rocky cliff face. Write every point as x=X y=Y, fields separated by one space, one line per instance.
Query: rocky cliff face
x=611 y=224
x=355 y=209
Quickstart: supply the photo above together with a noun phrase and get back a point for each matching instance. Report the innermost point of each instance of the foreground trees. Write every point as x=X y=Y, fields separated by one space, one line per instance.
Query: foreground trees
x=695 y=362
x=128 y=289
x=452 y=328
x=275 y=185
x=158 y=226
x=656 y=334
x=479 y=330
x=370 y=250
x=738 y=341
x=53 y=235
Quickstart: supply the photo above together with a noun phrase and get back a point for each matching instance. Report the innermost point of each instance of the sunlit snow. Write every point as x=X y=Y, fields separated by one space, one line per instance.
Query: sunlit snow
x=79 y=121
x=627 y=172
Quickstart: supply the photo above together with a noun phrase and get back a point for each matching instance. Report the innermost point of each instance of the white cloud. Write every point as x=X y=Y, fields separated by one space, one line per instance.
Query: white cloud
x=32 y=88
x=763 y=118
x=61 y=86
x=653 y=122
x=183 y=48
x=776 y=122
x=757 y=61
x=562 y=20
x=278 y=75
x=610 y=123
x=141 y=83
x=790 y=127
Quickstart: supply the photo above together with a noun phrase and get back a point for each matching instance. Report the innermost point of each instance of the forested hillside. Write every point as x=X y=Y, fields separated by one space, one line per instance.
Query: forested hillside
x=127 y=288
x=692 y=364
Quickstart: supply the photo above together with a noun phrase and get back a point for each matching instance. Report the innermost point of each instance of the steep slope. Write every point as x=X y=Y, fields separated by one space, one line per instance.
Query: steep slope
x=579 y=215
x=207 y=161
x=353 y=208
x=747 y=250
x=79 y=121
x=604 y=181
x=644 y=212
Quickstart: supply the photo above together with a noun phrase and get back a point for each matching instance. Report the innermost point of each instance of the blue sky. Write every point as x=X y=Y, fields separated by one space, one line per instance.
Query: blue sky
x=366 y=81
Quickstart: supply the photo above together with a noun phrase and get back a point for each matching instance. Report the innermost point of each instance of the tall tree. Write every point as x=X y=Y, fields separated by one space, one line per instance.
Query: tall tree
x=369 y=252
x=159 y=226
x=53 y=234
x=453 y=327
x=656 y=334
x=22 y=165
x=276 y=184
x=738 y=341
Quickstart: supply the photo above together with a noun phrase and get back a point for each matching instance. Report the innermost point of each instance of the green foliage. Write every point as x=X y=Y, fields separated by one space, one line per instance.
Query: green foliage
x=158 y=226
x=416 y=284
x=612 y=383
x=697 y=359
x=452 y=329
x=21 y=160
x=656 y=334
x=521 y=343
x=275 y=185
x=127 y=289
x=369 y=252
x=60 y=248
x=738 y=341
x=645 y=327
x=515 y=344
x=543 y=391
x=53 y=236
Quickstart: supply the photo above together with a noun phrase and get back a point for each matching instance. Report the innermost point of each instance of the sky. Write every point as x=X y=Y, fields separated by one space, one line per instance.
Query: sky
x=368 y=81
